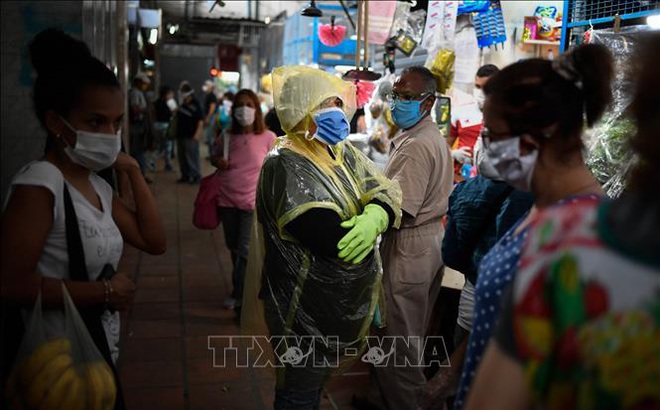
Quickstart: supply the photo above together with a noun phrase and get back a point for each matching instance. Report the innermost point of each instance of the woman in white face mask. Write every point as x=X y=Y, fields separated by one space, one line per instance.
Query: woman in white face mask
x=534 y=117
x=62 y=223
x=248 y=143
x=583 y=305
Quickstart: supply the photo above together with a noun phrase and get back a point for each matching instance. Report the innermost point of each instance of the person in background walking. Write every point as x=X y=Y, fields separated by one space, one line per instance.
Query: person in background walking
x=210 y=111
x=224 y=113
x=189 y=130
x=165 y=107
x=139 y=121
x=249 y=142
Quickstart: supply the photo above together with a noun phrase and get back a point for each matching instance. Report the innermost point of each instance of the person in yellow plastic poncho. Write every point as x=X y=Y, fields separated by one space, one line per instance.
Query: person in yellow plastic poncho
x=314 y=271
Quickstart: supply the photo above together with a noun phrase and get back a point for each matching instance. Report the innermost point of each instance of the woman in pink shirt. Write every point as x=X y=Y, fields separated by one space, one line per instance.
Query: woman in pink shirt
x=249 y=142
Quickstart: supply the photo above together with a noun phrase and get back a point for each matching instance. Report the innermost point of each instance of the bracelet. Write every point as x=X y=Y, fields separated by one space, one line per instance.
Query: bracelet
x=108 y=291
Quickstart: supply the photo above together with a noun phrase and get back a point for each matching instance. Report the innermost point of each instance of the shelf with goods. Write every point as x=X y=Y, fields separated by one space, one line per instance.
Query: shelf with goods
x=541 y=43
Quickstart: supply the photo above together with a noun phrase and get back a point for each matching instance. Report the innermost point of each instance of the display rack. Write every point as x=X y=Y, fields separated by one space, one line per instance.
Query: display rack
x=581 y=14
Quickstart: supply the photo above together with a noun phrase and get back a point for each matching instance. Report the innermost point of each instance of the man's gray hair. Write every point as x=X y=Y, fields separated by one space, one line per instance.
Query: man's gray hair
x=427 y=76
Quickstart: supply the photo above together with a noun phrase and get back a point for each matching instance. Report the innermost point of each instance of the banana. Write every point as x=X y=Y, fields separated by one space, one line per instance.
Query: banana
x=59 y=390
x=96 y=387
x=42 y=382
x=41 y=356
x=110 y=386
x=76 y=396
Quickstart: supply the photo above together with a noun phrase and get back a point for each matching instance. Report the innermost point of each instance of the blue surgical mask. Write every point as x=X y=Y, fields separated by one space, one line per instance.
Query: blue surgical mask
x=407 y=113
x=332 y=126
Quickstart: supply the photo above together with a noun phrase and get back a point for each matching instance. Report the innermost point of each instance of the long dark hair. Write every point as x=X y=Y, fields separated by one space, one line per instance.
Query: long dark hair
x=65 y=66
x=534 y=94
x=645 y=110
x=259 y=125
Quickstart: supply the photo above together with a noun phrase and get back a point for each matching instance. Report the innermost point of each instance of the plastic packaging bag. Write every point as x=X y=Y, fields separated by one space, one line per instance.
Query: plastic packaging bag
x=472 y=6
x=65 y=372
x=407 y=28
x=489 y=25
x=442 y=68
x=609 y=156
x=440 y=28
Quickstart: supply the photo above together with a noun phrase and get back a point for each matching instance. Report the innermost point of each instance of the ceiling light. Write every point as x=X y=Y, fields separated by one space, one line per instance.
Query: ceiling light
x=153 y=36
x=312 y=10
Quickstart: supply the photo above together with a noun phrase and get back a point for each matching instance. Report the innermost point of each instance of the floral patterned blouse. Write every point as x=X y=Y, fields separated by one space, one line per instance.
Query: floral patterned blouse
x=583 y=317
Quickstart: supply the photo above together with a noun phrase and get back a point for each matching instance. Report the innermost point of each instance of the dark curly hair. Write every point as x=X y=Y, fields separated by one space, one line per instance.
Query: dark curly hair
x=64 y=67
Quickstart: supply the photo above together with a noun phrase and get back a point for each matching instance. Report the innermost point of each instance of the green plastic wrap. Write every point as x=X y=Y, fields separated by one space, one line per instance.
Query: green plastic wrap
x=609 y=155
x=289 y=290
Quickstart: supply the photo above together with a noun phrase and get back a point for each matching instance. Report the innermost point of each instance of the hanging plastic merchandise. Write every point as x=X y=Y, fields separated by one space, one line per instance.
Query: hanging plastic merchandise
x=489 y=26
x=473 y=6
x=407 y=28
x=443 y=69
x=365 y=89
x=440 y=26
x=443 y=115
x=441 y=57
x=609 y=156
x=434 y=20
x=331 y=34
x=380 y=21
x=318 y=303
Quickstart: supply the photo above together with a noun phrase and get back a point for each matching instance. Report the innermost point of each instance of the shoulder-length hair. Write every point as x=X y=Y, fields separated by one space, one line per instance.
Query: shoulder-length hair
x=259 y=125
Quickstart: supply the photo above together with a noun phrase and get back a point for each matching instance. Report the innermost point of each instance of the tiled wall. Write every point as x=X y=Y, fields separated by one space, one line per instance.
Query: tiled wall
x=22 y=138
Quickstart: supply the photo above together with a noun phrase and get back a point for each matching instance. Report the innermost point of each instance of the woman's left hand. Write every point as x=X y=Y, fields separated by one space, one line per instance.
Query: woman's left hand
x=125 y=163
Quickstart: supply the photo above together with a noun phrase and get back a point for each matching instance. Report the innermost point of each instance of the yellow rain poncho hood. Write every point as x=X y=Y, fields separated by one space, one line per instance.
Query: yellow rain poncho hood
x=290 y=291
x=299 y=90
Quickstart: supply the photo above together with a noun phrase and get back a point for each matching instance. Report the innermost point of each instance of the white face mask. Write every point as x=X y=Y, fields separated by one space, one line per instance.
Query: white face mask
x=482 y=161
x=515 y=170
x=171 y=104
x=94 y=151
x=479 y=97
x=244 y=115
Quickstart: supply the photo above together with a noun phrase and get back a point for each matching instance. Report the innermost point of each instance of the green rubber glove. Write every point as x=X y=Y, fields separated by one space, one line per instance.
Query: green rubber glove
x=360 y=240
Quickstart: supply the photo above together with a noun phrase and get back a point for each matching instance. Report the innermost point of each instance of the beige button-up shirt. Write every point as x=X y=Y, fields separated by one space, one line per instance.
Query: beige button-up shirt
x=421 y=161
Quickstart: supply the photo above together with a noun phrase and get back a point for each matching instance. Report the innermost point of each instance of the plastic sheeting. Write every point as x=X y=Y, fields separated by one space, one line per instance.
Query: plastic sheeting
x=313 y=307
x=609 y=155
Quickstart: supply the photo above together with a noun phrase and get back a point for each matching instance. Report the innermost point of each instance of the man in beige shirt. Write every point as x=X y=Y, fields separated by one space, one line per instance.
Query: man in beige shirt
x=420 y=160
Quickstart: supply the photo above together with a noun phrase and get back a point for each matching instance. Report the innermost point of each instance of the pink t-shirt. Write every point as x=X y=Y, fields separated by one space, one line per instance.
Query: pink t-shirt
x=238 y=183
